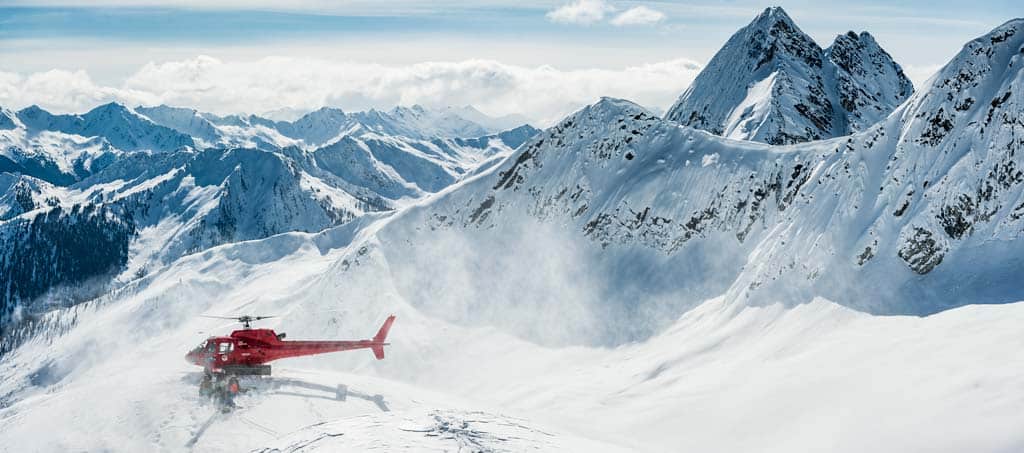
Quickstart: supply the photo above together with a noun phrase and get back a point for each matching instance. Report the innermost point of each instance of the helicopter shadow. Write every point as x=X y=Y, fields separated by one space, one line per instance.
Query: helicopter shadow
x=341 y=392
x=289 y=387
x=284 y=386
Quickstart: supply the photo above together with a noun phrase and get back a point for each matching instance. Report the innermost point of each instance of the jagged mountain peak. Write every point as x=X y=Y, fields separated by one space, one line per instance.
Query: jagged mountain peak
x=773 y=35
x=182 y=119
x=772 y=83
x=122 y=126
x=979 y=91
x=503 y=122
x=765 y=84
x=114 y=111
x=772 y=17
x=869 y=84
x=110 y=107
x=33 y=109
x=7 y=119
x=852 y=39
x=774 y=12
x=166 y=108
x=413 y=110
x=609 y=107
x=607 y=114
x=324 y=111
x=34 y=117
x=318 y=126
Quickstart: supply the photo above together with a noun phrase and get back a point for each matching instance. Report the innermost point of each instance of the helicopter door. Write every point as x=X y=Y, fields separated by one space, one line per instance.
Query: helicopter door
x=224 y=349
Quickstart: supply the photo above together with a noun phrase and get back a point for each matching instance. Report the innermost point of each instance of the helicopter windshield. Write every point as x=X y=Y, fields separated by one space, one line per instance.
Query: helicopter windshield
x=226 y=347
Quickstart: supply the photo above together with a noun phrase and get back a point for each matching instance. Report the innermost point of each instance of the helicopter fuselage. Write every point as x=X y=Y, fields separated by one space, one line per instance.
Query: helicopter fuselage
x=249 y=349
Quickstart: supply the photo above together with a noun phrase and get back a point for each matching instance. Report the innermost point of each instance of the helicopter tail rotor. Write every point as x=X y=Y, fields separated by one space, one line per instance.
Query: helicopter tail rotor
x=381 y=337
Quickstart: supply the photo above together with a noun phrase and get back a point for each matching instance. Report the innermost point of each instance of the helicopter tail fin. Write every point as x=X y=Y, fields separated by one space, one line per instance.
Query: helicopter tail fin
x=379 y=339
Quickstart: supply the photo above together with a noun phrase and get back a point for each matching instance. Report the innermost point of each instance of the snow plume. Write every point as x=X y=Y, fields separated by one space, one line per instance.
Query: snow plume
x=209 y=84
x=529 y=281
x=540 y=280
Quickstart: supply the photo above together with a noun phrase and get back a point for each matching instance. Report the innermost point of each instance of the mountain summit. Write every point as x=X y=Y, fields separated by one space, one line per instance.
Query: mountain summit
x=772 y=83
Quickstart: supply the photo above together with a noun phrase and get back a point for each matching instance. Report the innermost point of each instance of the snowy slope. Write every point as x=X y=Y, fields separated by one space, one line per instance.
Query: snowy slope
x=772 y=83
x=186 y=121
x=723 y=377
x=20 y=194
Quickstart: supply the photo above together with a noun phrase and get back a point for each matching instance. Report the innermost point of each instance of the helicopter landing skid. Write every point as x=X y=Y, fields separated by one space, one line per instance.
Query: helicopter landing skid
x=246 y=370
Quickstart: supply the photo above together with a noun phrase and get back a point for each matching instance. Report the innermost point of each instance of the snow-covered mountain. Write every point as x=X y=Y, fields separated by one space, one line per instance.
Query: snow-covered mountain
x=7 y=119
x=925 y=205
x=52 y=156
x=328 y=124
x=187 y=121
x=772 y=83
x=606 y=229
x=500 y=123
x=121 y=126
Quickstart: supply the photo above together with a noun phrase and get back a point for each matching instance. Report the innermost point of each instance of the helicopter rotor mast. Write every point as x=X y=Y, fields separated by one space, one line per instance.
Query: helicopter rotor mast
x=246 y=320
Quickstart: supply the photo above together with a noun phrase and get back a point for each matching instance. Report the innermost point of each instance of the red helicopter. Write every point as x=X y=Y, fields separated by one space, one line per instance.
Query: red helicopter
x=246 y=351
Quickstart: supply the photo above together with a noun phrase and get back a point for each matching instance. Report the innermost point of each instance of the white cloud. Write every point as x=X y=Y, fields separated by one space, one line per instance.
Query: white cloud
x=543 y=94
x=919 y=74
x=63 y=90
x=580 y=12
x=640 y=15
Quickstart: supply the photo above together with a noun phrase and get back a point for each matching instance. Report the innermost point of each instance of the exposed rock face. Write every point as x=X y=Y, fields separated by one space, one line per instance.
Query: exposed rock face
x=868 y=83
x=772 y=83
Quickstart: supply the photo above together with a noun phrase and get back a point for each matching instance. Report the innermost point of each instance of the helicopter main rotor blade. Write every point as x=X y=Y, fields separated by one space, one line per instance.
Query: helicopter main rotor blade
x=218 y=317
x=217 y=329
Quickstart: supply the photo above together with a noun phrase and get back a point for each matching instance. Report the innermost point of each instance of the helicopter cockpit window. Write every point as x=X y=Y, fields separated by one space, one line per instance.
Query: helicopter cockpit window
x=226 y=348
x=209 y=346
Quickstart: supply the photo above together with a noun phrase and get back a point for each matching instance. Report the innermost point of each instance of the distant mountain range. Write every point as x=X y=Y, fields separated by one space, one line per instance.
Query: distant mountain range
x=143 y=186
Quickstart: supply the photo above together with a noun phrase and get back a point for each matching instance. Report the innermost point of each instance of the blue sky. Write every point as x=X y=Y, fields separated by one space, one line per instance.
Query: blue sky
x=111 y=40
